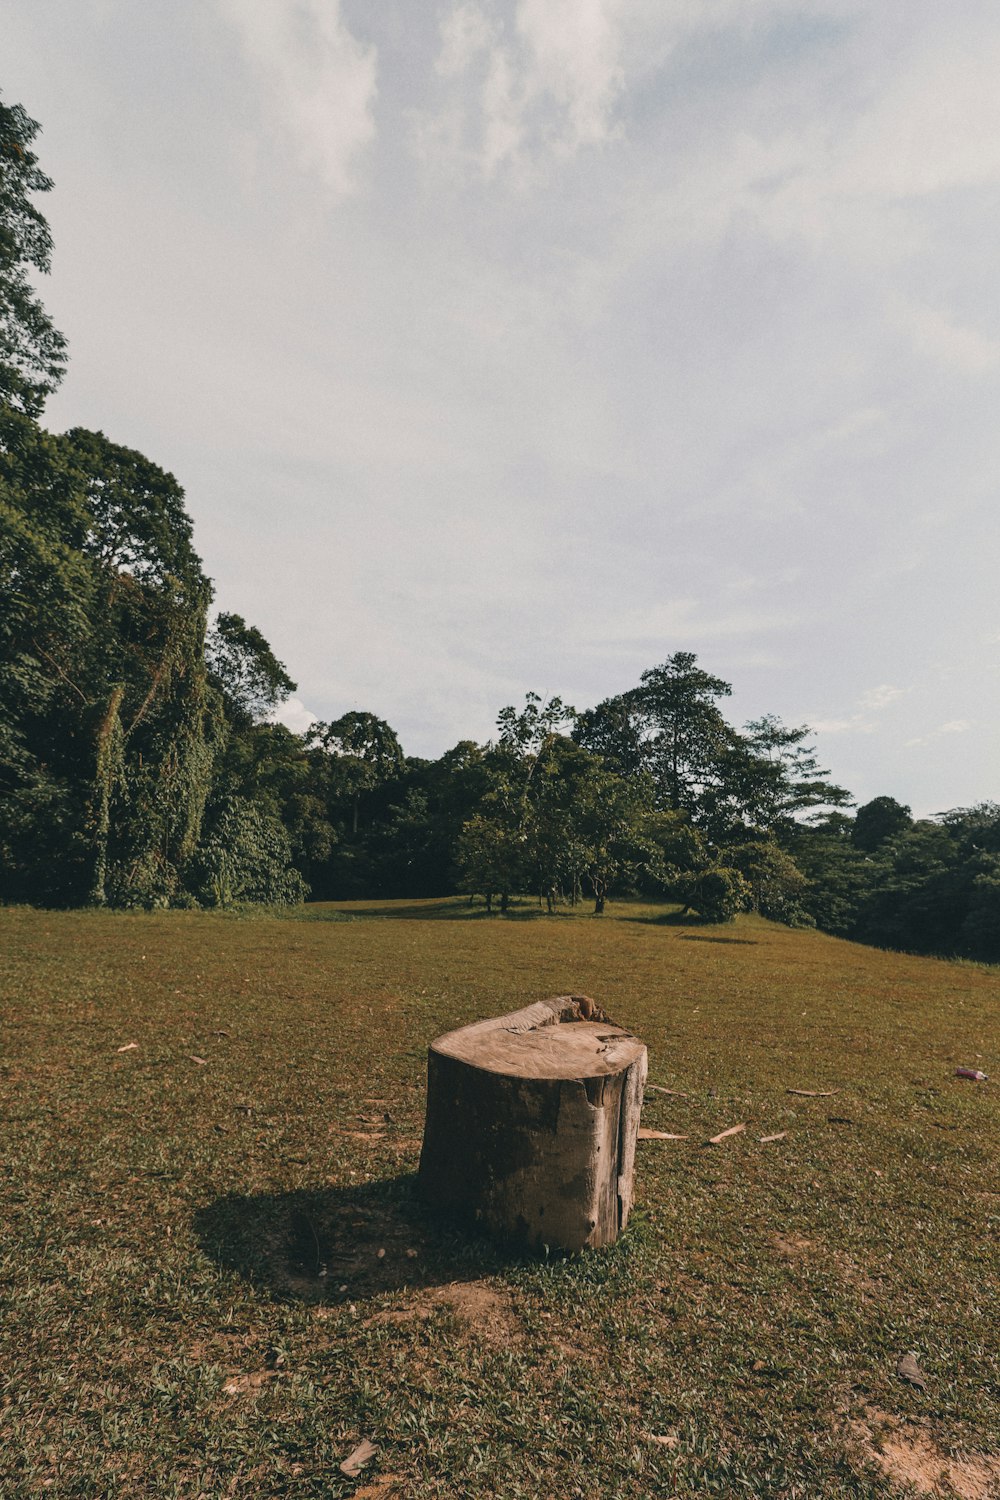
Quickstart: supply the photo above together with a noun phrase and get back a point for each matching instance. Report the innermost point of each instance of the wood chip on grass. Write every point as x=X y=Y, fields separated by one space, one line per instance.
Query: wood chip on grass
x=723 y=1135
x=659 y=1135
x=907 y=1369
x=238 y=1385
x=356 y=1460
x=813 y=1093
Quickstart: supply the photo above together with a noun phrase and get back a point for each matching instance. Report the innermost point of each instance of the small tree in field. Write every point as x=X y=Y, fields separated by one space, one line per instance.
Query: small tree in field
x=490 y=859
x=615 y=831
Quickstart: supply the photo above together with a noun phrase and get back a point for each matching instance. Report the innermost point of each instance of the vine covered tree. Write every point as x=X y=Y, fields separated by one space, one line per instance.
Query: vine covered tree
x=112 y=727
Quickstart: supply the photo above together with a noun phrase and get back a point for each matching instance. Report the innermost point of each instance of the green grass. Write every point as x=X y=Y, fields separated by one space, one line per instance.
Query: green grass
x=171 y=1228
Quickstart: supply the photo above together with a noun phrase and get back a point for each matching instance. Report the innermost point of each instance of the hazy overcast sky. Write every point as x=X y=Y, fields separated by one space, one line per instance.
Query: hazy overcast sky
x=509 y=346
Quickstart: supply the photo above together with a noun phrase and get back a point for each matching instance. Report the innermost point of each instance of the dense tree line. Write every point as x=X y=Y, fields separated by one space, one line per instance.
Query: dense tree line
x=140 y=764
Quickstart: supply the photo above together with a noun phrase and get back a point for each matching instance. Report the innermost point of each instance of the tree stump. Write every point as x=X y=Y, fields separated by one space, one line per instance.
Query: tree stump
x=531 y=1124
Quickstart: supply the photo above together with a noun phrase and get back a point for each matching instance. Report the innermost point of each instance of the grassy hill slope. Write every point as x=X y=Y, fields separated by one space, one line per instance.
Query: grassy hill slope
x=215 y=1280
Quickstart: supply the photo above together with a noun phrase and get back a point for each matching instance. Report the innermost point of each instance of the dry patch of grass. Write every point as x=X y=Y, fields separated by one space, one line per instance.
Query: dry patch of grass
x=482 y=1312
x=216 y=1278
x=910 y=1457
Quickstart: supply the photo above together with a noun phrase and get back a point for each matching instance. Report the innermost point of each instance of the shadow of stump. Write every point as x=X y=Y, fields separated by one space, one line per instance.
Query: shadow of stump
x=342 y=1244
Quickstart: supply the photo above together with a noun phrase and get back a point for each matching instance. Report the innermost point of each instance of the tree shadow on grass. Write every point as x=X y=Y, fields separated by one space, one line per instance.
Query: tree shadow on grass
x=699 y=937
x=342 y=1244
x=669 y=919
x=692 y=919
x=446 y=910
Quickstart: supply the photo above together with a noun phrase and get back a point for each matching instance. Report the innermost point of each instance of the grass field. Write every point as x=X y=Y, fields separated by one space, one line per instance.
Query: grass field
x=216 y=1280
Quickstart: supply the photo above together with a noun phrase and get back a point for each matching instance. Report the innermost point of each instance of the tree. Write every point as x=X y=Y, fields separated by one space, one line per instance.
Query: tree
x=245 y=857
x=32 y=352
x=879 y=820
x=111 y=731
x=668 y=727
x=490 y=858
x=614 y=730
x=775 y=884
x=616 y=831
x=156 y=726
x=102 y=678
x=47 y=595
x=838 y=876
x=686 y=735
x=365 y=752
x=245 y=669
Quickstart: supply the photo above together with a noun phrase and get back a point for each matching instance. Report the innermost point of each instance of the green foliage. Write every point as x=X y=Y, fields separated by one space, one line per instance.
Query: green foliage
x=687 y=734
x=243 y=667
x=775 y=884
x=930 y=887
x=102 y=671
x=32 y=352
x=719 y=893
x=114 y=727
x=879 y=820
x=245 y=856
x=730 y=784
x=490 y=858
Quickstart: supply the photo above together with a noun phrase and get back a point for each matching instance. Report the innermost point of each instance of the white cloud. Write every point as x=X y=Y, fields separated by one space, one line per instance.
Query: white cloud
x=294 y=715
x=465 y=33
x=936 y=334
x=937 y=124
x=859 y=722
x=687 y=620
x=953 y=726
x=318 y=80
x=543 y=80
x=856 y=724
x=574 y=51
x=879 y=697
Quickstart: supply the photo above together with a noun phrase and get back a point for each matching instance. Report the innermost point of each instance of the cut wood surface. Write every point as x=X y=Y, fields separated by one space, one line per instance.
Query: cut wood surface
x=531 y=1123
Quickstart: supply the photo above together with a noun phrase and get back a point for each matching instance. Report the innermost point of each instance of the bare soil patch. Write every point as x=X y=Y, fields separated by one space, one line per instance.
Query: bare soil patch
x=792 y=1246
x=383 y=1487
x=484 y=1309
x=910 y=1456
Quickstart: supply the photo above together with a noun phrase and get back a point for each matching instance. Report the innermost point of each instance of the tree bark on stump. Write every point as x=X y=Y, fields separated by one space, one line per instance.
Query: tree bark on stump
x=531 y=1124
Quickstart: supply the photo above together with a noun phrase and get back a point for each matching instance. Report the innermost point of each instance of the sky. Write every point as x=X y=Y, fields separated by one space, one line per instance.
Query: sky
x=515 y=346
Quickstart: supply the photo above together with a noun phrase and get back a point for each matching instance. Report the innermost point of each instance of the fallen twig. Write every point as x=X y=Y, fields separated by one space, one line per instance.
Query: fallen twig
x=813 y=1093
x=715 y=1140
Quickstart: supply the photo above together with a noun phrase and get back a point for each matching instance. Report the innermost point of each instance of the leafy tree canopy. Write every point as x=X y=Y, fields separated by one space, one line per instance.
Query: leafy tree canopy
x=32 y=352
x=245 y=669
